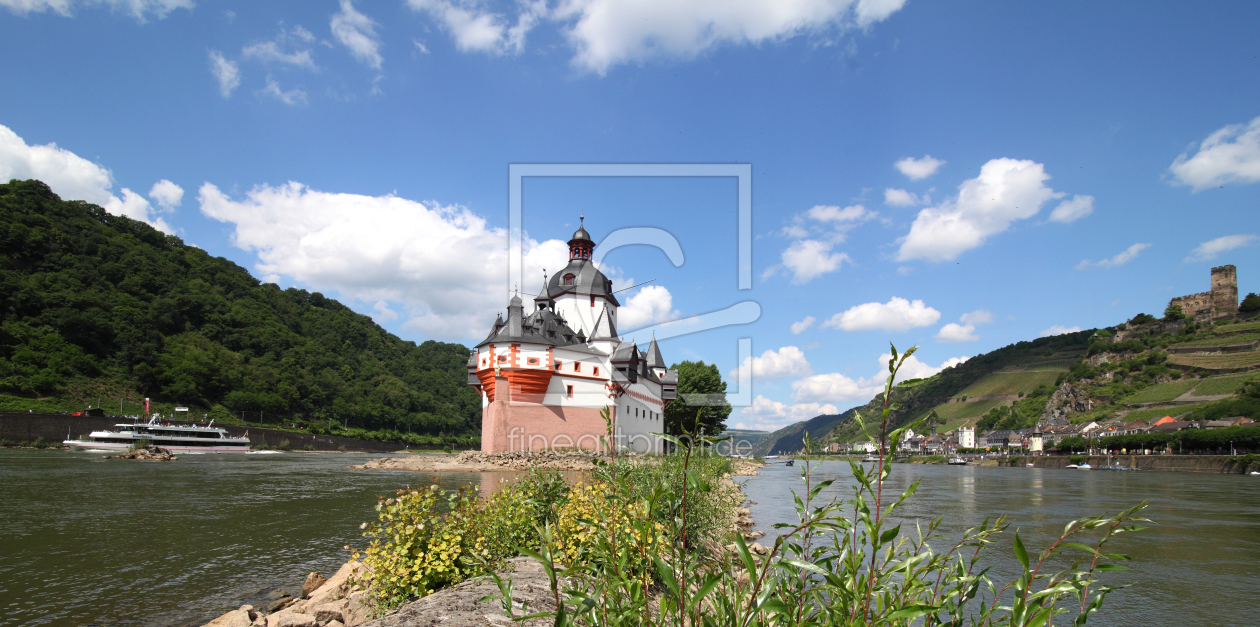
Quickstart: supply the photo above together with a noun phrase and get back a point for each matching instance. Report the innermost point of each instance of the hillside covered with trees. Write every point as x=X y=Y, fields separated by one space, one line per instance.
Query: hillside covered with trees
x=917 y=398
x=97 y=308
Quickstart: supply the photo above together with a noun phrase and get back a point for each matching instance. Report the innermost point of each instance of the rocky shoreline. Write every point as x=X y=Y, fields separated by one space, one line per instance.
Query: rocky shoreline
x=476 y=461
x=323 y=603
x=335 y=602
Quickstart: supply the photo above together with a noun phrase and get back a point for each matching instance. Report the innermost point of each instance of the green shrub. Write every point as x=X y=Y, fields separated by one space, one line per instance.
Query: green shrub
x=424 y=540
x=284 y=444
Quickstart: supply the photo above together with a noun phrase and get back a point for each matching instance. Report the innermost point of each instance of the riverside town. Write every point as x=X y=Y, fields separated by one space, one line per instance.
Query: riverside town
x=596 y=313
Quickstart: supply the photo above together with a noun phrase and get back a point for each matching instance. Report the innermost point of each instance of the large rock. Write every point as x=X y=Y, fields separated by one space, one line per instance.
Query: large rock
x=461 y=605
x=287 y=618
x=313 y=582
x=235 y=618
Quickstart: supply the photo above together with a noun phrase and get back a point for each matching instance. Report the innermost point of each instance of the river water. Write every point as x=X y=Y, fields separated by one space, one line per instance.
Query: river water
x=86 y=541
x=1197 y=564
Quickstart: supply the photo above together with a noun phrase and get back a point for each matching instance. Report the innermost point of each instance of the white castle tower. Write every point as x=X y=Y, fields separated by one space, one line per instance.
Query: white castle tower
x=544 y=377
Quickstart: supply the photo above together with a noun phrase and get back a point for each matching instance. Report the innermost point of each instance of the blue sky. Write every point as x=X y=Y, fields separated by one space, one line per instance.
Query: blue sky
x=955 y=175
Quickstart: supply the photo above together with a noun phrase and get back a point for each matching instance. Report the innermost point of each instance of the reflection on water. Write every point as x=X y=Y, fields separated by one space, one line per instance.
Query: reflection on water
x=86 y=541
x=1199 y=564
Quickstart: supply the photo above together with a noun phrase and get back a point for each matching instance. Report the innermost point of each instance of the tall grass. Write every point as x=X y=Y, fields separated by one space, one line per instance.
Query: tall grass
x=842 y=562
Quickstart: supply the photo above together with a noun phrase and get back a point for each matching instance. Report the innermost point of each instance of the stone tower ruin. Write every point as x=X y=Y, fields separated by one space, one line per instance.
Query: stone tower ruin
x=1225 y=290
x=1221 y=301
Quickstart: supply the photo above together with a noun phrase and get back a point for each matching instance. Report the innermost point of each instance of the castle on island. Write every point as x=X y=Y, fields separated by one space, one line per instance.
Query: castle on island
x=545 y=377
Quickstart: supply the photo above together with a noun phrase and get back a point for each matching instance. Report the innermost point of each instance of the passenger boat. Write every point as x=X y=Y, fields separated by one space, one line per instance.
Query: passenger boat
x=870 y=458
x=957 y=461
x=172 y=437
x=1084 y=466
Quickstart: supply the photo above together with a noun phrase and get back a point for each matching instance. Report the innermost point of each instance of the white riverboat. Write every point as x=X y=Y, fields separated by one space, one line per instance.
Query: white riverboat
x=172 y=437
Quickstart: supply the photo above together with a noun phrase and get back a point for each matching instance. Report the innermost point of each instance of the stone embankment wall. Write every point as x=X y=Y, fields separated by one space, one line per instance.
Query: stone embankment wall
x=57 y=427
x=1217 y=464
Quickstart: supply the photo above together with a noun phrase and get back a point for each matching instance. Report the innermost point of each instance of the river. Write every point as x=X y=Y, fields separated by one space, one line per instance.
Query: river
x=1197 y=564
x=86 y=541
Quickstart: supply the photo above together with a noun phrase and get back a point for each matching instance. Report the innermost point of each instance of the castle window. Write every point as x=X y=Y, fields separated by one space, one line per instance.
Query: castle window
x=568 y=279
x=577 y=366
x=557 y=366
x=568 y=389
x=592 y=300
x=533 y=361
x=596 y=373
x=503 y=359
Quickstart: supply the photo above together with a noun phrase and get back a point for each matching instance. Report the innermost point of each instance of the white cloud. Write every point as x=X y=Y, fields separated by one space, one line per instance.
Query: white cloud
x=607 y=33
x=1230 y=155
x=383 y=312
x=809 y=259
x=768 y=415
x=139 y=9
x=357 y=32
x=476 y=30
x=273 y=52
x=836 y=215
x=226 y=72
x=901 y=198
x=71 y=177
x=167 y=194
x=905 y=270
x=838 y=388
x=798 y=327
x=1208 y=250
x=965 y=332
x=442 y=263
x=979 y=316
x=134 y=206
x=1129 y=254
x=916 y=169
x=650 y=305
x=954 y=332
x=1006 y=190
x=1059 y=329
x=898 y=314
x=788 y=361
x=1073 y=209
x=291 y=97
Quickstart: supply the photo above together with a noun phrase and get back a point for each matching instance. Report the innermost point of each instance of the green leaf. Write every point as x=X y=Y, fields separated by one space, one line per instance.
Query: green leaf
x=1020 y=553
x=911 y=612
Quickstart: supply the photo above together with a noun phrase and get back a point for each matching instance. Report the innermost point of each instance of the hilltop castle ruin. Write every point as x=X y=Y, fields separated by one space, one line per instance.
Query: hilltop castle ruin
x=1222 y=300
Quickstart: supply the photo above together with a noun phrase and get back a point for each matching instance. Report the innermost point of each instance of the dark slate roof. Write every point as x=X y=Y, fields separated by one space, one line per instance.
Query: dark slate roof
x=654 y=358
x=581 y=235
x=587 y=280
x=541 y=327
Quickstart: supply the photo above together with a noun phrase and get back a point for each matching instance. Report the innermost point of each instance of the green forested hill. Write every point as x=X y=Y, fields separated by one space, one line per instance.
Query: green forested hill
x=917 y=397
x=96 y=306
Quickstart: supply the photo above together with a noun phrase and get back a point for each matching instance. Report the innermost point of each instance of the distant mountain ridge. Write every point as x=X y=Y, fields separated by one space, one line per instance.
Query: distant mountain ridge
x=916 y=398
x=98 y=308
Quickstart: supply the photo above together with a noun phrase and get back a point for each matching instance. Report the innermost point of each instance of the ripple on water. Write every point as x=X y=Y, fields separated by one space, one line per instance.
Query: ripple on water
x=1197 y=565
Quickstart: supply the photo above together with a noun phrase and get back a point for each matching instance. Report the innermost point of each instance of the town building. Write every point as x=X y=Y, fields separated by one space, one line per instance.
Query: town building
x=967 y=437
x=545 y=377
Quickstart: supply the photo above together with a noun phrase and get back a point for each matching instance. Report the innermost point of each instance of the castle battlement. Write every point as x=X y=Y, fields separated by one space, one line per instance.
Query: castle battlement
x=1222 y=300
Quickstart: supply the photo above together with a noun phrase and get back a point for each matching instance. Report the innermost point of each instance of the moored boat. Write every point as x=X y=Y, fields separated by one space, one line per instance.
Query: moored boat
x=172 y=437
x=1084 y=466
x=957 y=461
